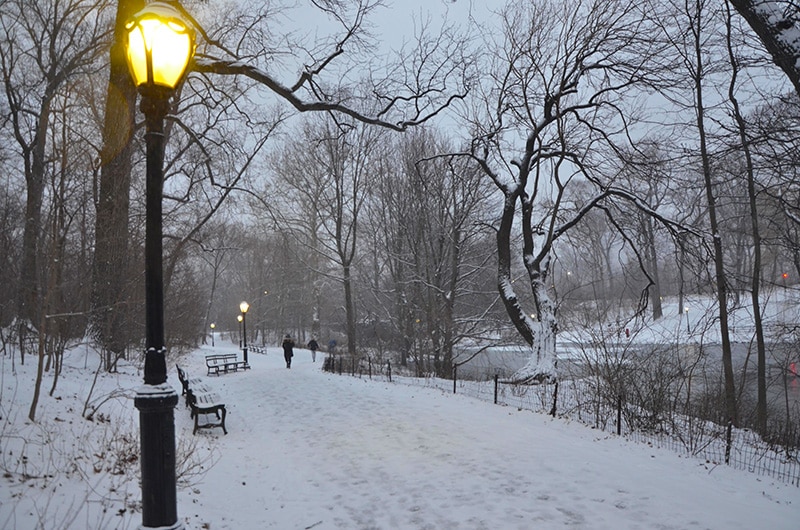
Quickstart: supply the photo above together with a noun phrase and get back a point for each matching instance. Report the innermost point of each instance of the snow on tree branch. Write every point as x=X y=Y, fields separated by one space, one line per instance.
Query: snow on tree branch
x=777 y=24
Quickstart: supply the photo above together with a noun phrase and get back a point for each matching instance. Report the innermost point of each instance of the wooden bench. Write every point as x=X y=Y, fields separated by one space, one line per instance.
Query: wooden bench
x=195 y=383
x=258 y=349
x=201 y=399
x=224 y=363
x=205 y=404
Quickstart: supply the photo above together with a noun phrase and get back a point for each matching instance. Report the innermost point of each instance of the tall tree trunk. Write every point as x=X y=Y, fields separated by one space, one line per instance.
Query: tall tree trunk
x=651 y=253
x=316 y=292
x=719 y=264
x=403 y=316
x=109 y=310
x=449 y=306
x=681 y=256
x=43 y=332
x=350 y=311
x=28 y=307
x=761 y=402
x=504 y=285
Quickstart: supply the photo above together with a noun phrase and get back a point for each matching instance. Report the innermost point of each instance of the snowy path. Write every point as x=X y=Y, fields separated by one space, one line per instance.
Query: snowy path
x=307 y=449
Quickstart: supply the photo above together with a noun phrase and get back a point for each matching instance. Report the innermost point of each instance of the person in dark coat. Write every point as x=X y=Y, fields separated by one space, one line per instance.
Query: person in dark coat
x=313 y=346
x=288 y=353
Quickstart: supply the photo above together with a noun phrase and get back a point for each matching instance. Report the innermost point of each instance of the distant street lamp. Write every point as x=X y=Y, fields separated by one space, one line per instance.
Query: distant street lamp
x=686 y=310
x=240 y=318
x=158 y=49
x=212 y=334
x=264 y=319
x=243 y=307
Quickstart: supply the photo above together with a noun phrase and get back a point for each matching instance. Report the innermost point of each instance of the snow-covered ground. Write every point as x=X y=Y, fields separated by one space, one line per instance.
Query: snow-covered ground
x=308 y=449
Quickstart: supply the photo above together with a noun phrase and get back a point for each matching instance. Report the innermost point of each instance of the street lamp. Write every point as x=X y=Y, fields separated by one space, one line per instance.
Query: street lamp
x=243 y=307
x=239 y=318
x=159 y=45
x=212 y=334
x=264 y=319
x=686 y=310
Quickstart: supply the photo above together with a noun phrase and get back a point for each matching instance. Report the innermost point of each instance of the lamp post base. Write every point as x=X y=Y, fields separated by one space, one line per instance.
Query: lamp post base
x=156 y=405
x=176 y=526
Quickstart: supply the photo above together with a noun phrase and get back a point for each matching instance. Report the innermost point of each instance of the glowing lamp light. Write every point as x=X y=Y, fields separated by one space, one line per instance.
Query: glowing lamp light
x=244 y=306
x=159 y=47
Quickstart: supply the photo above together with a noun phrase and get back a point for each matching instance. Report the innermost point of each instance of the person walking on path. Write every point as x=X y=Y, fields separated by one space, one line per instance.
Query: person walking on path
x=288 y=353
x=313 y=346
x=332 y=346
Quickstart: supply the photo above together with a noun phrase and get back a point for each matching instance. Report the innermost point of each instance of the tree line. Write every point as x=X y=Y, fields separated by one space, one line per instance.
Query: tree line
x=553 y=164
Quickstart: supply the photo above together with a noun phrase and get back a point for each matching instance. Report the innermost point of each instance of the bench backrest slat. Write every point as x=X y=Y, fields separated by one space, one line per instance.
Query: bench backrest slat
x=221 y=358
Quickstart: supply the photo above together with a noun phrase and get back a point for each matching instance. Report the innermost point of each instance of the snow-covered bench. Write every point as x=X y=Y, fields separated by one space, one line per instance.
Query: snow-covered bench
x=224 y=363
x=195 y=382
x=205 y=404
x=201 y=399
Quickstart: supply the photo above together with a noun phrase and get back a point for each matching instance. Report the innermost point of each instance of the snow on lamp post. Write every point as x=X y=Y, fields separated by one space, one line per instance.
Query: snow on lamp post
x=243 y=307
x=159 y=45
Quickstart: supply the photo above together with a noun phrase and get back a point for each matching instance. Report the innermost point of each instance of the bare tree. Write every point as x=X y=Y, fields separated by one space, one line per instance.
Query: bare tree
x=321 y=187
x=45 y=46
x=736 y=62
x=424 y=252
x=348 y=160
x=437 y=200
x=11 y=222
x=558 y=80
x=691 y=29
x=110 y=289
x=294 y=200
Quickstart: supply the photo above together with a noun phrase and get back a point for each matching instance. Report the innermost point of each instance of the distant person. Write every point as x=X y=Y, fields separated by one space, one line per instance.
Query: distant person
x=288 y=353
x=332 y=346
x=313 y=346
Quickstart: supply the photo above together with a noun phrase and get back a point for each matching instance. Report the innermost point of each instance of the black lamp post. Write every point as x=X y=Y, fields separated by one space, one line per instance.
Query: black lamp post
x=239 y=318
x=264 y=319
x=158 y=49
x=212 y=333
x=686 y=310
x=243 y=307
